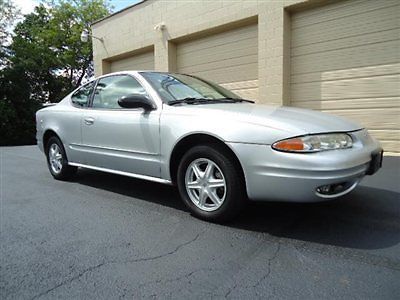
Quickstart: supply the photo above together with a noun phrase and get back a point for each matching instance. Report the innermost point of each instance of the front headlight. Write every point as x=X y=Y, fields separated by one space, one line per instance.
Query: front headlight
x=315 y=143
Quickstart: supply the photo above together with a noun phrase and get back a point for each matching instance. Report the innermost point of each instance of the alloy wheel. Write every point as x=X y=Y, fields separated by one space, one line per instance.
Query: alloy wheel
x=205 y=184
x=55 y=158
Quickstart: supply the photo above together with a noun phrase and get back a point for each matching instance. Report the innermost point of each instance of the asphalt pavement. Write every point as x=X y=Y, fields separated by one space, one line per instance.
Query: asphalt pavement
x=105 y=236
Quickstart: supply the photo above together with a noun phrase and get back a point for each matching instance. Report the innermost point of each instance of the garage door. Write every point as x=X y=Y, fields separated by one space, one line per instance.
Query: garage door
x=345 y=60
x=143 y=61
x=228 y=58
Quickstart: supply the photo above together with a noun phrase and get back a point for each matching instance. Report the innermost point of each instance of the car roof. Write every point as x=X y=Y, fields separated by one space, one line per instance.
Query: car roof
x=134 y=72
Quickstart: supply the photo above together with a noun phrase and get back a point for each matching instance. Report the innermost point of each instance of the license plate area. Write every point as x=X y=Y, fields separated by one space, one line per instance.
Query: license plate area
x=376 y=162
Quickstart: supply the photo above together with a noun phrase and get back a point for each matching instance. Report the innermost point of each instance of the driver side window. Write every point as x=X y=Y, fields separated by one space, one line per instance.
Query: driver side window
x=110 y=89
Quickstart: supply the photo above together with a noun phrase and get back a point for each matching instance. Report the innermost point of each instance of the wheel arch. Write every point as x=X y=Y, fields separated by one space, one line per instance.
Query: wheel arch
x=196 y=139
x=47 y=135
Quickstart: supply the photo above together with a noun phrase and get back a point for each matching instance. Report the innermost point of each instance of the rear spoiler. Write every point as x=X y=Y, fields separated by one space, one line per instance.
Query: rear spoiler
x=46 y=104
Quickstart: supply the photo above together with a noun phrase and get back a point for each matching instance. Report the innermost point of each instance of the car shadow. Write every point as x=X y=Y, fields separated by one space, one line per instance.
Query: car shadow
x=368 y=218
x=158 y=193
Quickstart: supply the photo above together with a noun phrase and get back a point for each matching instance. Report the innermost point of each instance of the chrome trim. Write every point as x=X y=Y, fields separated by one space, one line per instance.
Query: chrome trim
x=138 y=176
x=109 y=148
x=346 y=191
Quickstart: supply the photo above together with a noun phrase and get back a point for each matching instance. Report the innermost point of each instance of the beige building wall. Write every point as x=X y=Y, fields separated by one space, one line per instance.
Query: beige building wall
x=345 y=60
x=285 y=35
x=140 y=61
x=133 y=29
x=229 y=58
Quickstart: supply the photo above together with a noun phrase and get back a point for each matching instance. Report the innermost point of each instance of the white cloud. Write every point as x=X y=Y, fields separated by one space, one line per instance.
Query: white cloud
x=26 y=6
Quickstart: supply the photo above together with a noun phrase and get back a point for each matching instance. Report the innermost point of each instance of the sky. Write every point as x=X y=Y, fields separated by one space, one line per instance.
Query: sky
x=120 y=4
x=27 y=6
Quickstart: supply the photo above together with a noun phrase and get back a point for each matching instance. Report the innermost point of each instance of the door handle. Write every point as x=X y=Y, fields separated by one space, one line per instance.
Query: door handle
x=89 y=121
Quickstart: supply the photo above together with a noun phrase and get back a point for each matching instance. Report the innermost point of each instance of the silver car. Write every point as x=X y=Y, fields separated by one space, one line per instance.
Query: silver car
x=219 y=149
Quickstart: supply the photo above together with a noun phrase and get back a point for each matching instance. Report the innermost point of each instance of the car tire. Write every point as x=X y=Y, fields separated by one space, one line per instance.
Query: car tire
x=57 y=161
x=211 y=184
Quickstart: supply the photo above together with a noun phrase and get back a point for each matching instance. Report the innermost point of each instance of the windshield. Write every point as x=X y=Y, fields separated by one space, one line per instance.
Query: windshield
x=175 y=87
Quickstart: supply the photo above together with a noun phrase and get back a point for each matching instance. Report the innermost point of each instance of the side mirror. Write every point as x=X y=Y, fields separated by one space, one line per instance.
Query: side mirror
x=136 y=101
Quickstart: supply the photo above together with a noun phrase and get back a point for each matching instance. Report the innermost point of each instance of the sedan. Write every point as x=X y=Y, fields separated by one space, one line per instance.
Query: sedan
x=219 y=149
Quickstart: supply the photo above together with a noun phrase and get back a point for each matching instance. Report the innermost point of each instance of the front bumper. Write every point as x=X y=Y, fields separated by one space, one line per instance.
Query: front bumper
x=296 y=177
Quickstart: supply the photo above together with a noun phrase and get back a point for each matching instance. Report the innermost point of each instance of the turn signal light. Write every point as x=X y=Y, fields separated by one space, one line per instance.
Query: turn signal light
x=295 y=144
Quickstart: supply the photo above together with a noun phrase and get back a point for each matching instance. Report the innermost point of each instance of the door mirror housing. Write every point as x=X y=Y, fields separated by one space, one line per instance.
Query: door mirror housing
x=136 y=101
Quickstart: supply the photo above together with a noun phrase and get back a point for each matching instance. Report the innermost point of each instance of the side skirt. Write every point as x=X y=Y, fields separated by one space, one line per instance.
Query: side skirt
x=138 y=176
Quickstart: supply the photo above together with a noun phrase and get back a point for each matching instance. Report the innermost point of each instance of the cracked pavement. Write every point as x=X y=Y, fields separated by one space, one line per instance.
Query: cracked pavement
x=105 y=236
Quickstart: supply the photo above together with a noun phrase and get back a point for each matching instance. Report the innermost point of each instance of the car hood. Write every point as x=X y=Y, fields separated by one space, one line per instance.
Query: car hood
x=295 y=121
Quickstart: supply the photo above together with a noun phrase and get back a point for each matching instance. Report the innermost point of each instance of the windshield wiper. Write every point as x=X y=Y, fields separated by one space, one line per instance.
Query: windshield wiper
x=189 y=100
x=235 y=100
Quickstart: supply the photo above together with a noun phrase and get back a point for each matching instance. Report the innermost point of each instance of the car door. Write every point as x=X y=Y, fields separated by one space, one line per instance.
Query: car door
x=70 y=122
x=121 y=139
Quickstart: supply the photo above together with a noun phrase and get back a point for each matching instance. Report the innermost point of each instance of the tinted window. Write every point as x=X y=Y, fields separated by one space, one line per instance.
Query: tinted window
x=82 y=96
x=110 y=89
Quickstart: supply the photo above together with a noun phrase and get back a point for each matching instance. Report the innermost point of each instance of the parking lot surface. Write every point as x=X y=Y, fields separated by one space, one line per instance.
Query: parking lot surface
x=104 y=236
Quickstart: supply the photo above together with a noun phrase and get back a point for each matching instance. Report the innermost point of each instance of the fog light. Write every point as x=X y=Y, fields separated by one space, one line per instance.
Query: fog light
x=332 y=189
x=336 y=189
x=324 y=189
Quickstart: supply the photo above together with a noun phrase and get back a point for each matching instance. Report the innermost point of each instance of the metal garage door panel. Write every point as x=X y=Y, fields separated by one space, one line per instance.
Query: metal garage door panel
x=345 y=60
x=229 y=58
x=143 y=61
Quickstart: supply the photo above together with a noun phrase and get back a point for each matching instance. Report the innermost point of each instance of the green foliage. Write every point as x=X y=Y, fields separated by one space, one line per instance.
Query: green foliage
x=8 y=15
x=45 y=61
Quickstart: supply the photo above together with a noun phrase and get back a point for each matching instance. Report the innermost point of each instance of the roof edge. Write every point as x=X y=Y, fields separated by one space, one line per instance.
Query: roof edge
x=118 y=12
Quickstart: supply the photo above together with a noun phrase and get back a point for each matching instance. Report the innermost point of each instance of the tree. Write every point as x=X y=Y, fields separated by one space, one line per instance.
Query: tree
x=70 y=18
x=9 y=14
x=44 y=62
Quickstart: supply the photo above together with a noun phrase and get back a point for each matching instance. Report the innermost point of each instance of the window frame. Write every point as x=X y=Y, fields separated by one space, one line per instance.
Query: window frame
x=119 y=109
x=90 y=96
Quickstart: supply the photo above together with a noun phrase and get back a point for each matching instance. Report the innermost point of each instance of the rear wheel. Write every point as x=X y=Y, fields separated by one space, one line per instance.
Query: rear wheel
x=57 y=160
x=211 y=184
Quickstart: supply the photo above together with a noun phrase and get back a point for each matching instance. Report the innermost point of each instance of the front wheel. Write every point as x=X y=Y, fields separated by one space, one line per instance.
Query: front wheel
x=211 y=184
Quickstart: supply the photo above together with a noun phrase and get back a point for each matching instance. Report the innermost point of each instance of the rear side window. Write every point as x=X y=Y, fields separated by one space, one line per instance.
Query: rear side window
x=81 y=97
x=110 y=89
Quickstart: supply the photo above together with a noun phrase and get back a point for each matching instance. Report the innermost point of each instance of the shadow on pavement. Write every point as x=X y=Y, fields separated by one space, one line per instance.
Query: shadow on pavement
x=368 y=218
x=141 y=189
